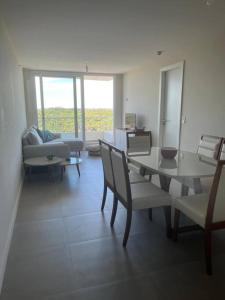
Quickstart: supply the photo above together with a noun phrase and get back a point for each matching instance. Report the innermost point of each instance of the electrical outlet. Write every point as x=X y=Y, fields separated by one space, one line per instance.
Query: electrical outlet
x=184 y=120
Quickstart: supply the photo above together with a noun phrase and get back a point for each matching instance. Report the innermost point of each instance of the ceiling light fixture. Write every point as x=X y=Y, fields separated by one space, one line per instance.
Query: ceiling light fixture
x=159 y=52
x=209 y=2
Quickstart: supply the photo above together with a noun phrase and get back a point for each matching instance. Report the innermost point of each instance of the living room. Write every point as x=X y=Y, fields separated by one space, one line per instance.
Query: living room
x=55 y=243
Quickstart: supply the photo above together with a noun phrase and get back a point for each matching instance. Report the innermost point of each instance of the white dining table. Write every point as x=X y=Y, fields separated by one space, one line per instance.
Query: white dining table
x=187 y=167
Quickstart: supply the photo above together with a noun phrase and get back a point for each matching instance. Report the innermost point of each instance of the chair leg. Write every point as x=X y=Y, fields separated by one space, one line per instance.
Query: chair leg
x=127 y=229
x=115 y=204
x=167 y=212
x=104 y=197
x=150 y=214
x=176 y=224
x=208 y=252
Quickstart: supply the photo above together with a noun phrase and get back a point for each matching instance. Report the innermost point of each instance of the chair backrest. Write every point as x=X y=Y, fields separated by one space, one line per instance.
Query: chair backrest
x=216 y=205
x=105 y=150
x=222 y=150
x=121 y=176
x=139 y=142
x=209 y=146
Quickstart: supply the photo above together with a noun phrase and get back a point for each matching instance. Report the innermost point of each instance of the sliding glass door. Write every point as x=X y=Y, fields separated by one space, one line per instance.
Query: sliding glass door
x=75 y=106
x=59 y=105
x=98 y=99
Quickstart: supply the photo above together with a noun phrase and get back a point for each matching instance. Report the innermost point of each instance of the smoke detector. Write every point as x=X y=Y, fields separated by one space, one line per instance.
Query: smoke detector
x=159 y=52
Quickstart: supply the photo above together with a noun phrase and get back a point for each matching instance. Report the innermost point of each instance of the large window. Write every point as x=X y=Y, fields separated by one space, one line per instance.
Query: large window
x=57 y=99
x=76 y=106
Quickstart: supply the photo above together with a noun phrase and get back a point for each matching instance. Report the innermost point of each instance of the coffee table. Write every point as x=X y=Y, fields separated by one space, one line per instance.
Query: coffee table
x=42 y=162
x=73 y=161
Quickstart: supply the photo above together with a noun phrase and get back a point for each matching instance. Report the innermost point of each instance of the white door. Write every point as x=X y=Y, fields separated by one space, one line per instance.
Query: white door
x=171 y=103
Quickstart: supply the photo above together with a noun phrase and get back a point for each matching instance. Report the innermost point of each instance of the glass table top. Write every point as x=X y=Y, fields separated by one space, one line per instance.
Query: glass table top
x=185 y=164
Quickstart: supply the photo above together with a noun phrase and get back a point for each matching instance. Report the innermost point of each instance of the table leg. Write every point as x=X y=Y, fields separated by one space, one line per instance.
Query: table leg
x=165 y=185
x=142 y=171
x=62 y=172
x=197 y=185
x=164 y=182
x=78 y=169
x=30 y=172
x=184 y=190
x=50 y=173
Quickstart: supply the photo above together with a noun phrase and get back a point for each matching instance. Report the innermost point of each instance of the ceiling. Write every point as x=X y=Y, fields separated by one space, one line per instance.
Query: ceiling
x=110 y=36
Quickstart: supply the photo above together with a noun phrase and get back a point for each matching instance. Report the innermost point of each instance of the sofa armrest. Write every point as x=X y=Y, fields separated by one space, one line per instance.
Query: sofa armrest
x=57 y=149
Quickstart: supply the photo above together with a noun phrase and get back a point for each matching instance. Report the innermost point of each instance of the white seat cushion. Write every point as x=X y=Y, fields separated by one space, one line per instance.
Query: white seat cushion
x=148 y=195
x=194 y=207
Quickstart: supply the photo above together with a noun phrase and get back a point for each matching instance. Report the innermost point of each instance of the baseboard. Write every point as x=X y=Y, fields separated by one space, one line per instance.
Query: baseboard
x=9 y=237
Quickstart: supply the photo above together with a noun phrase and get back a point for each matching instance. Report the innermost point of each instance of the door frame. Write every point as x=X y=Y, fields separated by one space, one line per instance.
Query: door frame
x=179 y=65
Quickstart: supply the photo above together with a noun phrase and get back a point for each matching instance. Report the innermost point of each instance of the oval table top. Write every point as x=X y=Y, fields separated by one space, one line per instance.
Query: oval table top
x=185 y=164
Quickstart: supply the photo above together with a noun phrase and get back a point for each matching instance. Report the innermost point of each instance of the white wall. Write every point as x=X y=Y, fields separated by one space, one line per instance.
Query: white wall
x=203 y=94
x=118 y=101
x=12 y=124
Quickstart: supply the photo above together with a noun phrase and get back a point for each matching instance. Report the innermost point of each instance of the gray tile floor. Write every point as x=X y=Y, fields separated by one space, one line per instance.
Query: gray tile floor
x=63 y=248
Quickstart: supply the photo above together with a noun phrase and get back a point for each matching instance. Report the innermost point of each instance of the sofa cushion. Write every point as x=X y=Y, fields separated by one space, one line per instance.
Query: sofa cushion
x=25 y=141
x=46 y=135
x=74 y=144
x=54 y=142
x=33 y=137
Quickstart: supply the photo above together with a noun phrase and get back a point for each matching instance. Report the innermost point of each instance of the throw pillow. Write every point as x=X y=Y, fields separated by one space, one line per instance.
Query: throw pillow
x=46 y=135
x=34 y=138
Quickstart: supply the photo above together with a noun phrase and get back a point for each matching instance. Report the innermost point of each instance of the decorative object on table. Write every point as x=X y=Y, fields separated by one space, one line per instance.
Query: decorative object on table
x=50 y=157
x=168 y=152
x=139 y=129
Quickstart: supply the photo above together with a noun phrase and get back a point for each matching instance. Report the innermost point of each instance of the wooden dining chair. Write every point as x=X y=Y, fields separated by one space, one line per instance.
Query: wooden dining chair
x=222 y=150
x=209 y=149
x=139 y=143
x=209 y=146
x=105 y=149
x=135 y=196
x=206 y=210
x=107 y=170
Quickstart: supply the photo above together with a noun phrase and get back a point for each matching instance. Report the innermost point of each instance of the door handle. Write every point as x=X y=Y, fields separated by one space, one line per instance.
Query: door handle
x=164 y=121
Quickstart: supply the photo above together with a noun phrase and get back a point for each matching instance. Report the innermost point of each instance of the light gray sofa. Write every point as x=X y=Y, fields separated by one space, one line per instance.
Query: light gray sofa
x=33 y=146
